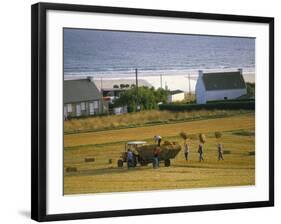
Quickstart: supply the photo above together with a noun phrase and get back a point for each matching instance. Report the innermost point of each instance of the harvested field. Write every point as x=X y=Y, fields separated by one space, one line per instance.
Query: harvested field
x=141 y=133
x=238 y=168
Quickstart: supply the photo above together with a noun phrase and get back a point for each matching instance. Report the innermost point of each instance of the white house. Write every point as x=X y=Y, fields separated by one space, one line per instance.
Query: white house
x=219 y=86
x=175 y=96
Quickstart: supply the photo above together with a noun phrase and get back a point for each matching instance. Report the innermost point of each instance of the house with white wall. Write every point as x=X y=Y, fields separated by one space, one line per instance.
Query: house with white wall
x=175 y=96
x=219 y=86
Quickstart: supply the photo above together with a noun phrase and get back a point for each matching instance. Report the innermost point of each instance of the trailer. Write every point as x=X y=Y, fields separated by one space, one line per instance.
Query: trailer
x=143 y=153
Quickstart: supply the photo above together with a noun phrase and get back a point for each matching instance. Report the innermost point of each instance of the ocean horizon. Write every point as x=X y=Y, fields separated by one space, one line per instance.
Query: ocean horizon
x=116 y=54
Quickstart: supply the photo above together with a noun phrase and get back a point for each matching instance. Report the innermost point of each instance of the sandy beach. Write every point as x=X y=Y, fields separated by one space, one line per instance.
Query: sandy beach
x=173 y=81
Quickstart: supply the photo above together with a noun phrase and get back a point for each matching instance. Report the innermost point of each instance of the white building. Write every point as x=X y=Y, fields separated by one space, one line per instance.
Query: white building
x=219 y=86
x=175 y=96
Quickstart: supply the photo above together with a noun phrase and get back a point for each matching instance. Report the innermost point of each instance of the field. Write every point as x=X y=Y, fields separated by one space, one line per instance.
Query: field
x=143 y=118
x=102 y=174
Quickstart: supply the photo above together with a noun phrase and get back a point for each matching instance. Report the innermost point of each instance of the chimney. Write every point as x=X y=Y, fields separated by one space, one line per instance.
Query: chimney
x=240 y=70
x=200 y=73
x=90 y=78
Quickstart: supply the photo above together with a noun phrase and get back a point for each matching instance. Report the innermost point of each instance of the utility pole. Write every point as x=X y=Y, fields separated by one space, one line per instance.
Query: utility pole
x=161 y=80
x=101 y=82
x=137 y=87
x=189 y=86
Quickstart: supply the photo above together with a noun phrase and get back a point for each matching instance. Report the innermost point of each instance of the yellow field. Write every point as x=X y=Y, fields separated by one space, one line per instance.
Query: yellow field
x=238 y=168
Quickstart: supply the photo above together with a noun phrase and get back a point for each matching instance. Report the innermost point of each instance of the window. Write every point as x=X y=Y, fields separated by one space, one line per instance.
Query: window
x=91 y=108
x=69 y=108
x=78 y=110
x=65 y=111
x=83 y=106
x=96 y=104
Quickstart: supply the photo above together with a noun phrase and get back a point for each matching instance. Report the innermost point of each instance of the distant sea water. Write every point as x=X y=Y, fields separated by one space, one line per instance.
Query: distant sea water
x=116 y=54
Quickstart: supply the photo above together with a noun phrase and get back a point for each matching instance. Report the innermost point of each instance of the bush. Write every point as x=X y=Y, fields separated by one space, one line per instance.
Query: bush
x=231 y=100
x=233 y=105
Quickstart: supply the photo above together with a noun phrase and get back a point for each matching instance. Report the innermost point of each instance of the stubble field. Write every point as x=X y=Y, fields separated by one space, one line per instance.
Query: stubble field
x=102 y=174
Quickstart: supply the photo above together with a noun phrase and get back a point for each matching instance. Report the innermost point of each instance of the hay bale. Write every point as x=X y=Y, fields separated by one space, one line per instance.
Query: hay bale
x=218 y=134
x=226 y=152
x=71 y=169
x=167 y=143
x=202 y=138
x=89 y=159
x=183 y=135
x=252 y=153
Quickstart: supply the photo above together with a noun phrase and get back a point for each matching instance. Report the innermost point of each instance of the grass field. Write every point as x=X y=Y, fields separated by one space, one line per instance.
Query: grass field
x=143 y=118
x=101 y=175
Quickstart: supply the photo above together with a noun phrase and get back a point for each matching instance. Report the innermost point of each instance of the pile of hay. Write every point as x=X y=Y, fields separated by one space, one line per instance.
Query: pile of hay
x=89 y=159
x=147 y=151
x=202 y=138
x=71 y=169
x=183 y=135
x=218 y=135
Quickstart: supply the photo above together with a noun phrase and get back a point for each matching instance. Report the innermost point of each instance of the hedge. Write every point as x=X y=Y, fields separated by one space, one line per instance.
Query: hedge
x=240 y=105
x=231 y=100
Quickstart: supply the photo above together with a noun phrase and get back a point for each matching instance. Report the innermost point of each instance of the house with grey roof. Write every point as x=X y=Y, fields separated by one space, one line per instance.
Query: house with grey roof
x=219 y=86
x=81 y=97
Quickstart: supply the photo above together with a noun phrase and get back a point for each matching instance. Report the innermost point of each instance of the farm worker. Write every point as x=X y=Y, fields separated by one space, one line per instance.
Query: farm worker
x=220 y=157
x=186 y=151
x=157 y=138
x=200 y=151
x=130 y=158
x=156 y=157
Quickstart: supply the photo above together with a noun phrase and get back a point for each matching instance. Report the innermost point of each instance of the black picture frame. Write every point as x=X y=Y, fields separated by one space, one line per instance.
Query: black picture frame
x=38 y=116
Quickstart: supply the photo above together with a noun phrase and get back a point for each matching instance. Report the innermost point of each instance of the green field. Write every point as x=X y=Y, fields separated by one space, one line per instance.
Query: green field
x=100 y=175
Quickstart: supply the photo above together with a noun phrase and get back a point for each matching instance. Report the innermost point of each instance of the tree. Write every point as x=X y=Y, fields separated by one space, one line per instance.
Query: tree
x=116 y=86
x=146 y=98
x=122 y=86
x=250 y=89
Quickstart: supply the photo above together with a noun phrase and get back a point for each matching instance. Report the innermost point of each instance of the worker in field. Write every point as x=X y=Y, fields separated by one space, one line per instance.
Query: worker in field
x=220 y=157
x=130 y=158
x=157 y=139
x=156 y=154
x=200 y=151
x=186 y=151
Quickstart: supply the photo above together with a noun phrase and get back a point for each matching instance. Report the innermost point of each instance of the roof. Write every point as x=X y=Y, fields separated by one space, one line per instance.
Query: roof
x=80 y=90
x=176 y=91
x=114 y=89
x=223 y=80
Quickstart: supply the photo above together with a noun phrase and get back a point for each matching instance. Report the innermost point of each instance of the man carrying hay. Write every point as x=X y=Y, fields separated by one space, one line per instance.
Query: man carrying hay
x=200 y=151
x=156 y=157
x=186 y=151
x=130 y=158
x=202 y=139
x=220 y=157
x=157 y=139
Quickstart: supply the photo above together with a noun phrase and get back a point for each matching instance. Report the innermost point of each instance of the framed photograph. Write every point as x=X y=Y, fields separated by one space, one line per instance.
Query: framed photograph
x=139 y=111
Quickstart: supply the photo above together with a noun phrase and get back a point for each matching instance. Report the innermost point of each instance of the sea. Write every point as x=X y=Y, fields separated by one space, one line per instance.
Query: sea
x=116 y=54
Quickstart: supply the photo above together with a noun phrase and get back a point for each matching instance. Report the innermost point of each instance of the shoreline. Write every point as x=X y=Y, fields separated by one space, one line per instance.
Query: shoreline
x=173 y=79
